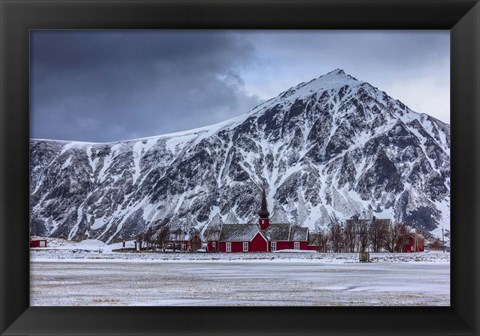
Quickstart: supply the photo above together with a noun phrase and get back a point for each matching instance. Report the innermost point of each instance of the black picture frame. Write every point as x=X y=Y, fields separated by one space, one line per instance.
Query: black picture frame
x=17 y=17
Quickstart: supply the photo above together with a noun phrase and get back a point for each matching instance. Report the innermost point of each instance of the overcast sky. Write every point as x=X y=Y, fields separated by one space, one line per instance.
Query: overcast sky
x=103 y=86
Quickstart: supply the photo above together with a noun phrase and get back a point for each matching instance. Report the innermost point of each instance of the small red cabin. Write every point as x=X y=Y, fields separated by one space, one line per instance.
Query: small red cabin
x=183 y=241
x=38 y=243
x=416 y=243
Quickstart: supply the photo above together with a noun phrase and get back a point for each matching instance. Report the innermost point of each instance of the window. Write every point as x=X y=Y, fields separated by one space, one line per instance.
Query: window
x=245 y=246
x=214 y=244
x=229 y=247
x=296 y=245
x=273 y=246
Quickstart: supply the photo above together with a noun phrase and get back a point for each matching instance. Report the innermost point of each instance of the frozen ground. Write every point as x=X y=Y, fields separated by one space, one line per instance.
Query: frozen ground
x=261 y=282
x=90 y=273
x=94 y=250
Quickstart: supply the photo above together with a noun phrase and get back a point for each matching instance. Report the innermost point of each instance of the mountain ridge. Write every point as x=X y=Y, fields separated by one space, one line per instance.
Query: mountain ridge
x=325 y=150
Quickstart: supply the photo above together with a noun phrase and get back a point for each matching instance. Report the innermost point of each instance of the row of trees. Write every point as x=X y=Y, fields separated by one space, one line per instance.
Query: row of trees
x=152 y=238
x=162 y=237
x=361 y=235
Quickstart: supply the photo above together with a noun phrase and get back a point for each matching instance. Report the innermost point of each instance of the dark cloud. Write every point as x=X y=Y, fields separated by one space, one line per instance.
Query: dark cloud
x=113 y=85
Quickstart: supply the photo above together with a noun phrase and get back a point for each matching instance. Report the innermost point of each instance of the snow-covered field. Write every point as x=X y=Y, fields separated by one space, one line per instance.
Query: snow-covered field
x=89 y=273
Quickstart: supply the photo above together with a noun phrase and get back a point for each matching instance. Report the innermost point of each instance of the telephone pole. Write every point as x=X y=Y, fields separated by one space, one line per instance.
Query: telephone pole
x=443 y=241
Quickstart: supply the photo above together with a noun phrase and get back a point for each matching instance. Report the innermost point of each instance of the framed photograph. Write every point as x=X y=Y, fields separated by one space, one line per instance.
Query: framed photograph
x=300 y=167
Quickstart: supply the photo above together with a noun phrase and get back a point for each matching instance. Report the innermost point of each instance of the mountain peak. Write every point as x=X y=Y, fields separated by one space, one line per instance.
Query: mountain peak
x=337 y=71
x=332 y=80
x=338 y=74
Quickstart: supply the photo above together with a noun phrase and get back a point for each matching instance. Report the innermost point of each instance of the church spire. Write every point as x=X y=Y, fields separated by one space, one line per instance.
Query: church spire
x=263 y=210
x=264 y=220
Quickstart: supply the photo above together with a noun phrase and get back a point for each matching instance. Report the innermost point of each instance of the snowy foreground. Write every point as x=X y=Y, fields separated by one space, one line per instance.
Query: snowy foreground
x=91 y=274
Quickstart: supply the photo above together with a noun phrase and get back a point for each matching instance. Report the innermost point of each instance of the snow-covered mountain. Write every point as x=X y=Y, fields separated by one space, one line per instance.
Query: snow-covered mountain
x=324 y=150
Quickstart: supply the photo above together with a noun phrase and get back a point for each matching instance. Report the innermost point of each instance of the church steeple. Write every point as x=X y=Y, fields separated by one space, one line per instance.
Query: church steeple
x=264 y=219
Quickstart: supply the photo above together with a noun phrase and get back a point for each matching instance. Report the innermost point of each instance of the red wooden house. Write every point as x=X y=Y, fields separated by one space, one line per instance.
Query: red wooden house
x=182 y=241
x=416 y=242
x=38 y=243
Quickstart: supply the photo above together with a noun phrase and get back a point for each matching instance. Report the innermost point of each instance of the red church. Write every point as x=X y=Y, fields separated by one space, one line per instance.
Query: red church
x=261 y=237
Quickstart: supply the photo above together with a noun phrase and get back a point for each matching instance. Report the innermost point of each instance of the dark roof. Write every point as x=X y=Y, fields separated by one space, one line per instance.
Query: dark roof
x=286 y=232
x=277 y=232
x=212 y=235
x=238 y=232
x=298 y=233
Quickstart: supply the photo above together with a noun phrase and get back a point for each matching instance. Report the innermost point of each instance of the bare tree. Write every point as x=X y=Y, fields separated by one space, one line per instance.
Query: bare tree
x=322 y=240
x=140 y=238
x=350 y=236
x=162 y=236
x=377 y=233
x=148 y=237
x=336 y=237
x=390 y=238
x=363 y=237
x=401 y=233
x=396 y=237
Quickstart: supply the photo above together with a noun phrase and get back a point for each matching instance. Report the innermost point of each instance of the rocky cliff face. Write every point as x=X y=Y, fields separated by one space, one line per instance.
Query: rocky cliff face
x=324 y=150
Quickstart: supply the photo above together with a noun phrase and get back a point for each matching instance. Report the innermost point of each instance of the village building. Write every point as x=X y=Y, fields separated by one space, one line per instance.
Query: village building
x=261 y=237
x=183 y=241
x=37 y=242
x=416 y=242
